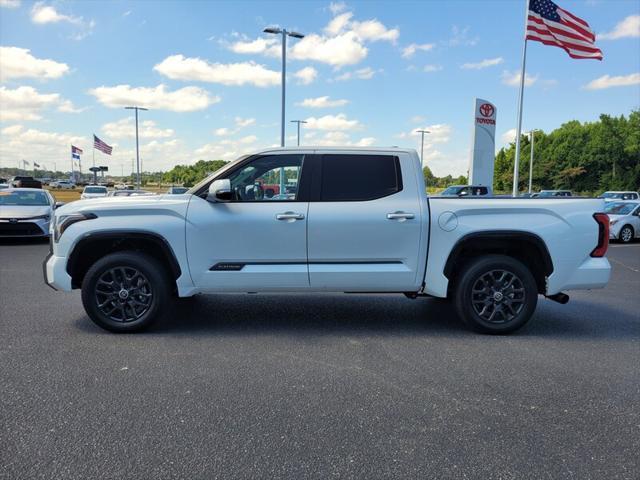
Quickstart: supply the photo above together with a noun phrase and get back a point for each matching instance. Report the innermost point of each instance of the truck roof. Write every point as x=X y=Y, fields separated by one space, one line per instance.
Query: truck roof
x=306 y=148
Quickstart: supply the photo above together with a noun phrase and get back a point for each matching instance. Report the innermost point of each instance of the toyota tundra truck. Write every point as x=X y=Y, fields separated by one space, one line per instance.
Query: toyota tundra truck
x=357 y=220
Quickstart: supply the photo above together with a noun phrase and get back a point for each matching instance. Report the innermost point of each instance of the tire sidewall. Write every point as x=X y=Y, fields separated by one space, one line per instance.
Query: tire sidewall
x=152 y=271
x=473 y=271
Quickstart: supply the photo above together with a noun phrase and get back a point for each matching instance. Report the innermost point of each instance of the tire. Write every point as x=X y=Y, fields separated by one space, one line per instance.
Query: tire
x=626 y=234
x=147 y=288
x=495 y=294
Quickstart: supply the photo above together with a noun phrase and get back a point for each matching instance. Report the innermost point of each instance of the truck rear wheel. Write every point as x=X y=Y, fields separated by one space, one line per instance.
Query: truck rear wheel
x=125 y=291
x=495 y=294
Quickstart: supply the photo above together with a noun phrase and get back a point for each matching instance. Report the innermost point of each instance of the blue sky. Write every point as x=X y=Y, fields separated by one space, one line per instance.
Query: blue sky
x=368 y=73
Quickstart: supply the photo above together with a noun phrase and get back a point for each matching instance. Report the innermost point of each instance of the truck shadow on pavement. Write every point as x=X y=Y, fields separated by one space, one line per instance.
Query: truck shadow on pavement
x=328 y=314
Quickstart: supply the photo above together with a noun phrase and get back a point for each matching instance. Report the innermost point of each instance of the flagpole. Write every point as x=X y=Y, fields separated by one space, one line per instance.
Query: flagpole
x=516 y=163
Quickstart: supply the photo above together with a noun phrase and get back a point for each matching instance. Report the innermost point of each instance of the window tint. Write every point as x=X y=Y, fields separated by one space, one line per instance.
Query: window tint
x=266 y=179
x=359 y=177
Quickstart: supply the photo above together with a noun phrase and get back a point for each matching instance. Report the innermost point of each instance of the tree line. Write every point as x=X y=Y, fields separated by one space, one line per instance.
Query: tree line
x=587 y=158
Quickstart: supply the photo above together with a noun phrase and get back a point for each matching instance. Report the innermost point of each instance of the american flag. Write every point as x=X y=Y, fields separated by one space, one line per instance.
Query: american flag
x=100 y=145
x=551 y=25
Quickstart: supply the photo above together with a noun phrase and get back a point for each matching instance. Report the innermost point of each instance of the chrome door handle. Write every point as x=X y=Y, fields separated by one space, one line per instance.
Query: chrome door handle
x=400 y=216
x=289 y=216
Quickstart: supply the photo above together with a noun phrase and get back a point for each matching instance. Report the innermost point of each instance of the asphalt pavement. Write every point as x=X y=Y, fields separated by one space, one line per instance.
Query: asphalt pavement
x=318 y=386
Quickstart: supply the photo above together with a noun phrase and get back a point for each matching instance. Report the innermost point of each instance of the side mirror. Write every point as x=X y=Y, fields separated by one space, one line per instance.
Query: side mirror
x=463 y=193
x=220 y=191
x=58 y=205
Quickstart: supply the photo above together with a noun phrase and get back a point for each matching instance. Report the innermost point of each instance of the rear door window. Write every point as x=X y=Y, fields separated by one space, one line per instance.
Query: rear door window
x=348 y=178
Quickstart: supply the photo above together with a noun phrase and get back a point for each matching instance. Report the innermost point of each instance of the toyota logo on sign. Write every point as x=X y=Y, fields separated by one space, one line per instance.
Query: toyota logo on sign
x=486 y=110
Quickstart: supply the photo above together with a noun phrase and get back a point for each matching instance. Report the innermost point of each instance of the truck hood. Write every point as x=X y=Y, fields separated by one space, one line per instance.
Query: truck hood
x=120 y=205
x=24 y=211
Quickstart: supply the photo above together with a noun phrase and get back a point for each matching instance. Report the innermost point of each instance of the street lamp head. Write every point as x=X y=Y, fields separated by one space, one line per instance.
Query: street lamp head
x=272 y=30
x=295 y=34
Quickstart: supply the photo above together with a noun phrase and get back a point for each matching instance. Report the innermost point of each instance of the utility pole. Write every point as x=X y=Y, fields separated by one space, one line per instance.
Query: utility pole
x=284 y=33
x=136 y=108
x=422 y=132
x=298 y=122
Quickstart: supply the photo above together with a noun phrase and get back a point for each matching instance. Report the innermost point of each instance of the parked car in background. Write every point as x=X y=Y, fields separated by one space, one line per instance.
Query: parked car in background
x=93 y=191
x=177 y=190
x=123 y=186
x=4 y=186
x=617 y=196
x=3 y=180
x=466 y=191
x=129 y=193
x=553 y=193
x=22 y=181
x=26 y=212
x=360 y=220
x=63 y=185
x=624 y=220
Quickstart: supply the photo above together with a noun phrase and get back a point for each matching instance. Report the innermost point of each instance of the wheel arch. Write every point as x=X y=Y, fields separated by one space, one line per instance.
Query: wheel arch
x=526 y=247
x=95 y=245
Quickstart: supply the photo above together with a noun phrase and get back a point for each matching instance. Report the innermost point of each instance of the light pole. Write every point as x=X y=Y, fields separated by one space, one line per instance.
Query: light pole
x=531 y=135
x=298 y=122
x=422 y=146
x=137 y=142
x=284 y=33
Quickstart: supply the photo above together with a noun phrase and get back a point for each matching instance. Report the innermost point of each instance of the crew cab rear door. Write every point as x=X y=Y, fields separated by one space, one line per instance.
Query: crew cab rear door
x=365 y=223
x=258 y=240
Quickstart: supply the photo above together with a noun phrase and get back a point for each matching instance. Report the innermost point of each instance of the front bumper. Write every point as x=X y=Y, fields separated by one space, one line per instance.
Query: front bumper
x=55 y=273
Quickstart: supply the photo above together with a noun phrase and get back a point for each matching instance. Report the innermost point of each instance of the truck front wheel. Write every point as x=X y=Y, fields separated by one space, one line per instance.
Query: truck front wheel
x=495 y=294
x=125 y=291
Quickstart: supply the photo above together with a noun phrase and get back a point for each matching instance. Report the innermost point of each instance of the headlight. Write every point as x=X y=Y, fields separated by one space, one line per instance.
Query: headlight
x=63 y=222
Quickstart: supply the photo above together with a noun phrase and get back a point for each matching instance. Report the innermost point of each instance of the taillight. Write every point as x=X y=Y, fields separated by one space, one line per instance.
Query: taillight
x=603 y=234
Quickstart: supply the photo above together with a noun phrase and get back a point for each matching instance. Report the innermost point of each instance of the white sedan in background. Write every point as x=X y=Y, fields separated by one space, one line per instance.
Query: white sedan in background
x=26 y=212
x=93 y=191
x=624 y=220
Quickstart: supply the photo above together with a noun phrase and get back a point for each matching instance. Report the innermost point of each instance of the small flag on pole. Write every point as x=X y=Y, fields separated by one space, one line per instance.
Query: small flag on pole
x=100 y=145
x=552 y=25
x=36 y=164
x=76 y=152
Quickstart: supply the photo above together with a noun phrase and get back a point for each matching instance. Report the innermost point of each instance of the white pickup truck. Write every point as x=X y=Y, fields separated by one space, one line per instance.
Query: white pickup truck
x=326 y=220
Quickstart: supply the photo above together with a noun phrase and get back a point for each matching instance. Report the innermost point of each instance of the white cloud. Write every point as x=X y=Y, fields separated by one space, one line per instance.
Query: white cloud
x=18 y=62
x=337 y=7
x=322 y=102
x=332 y=122
x=186 y=99
x=460 y=37
x=227 y=149
x=489 y=62
x=513 y=78
x=244 y=122
x=607 y=81
x=179 y=67
x=222 y=132
x=337 y=139
x=306 y=75
x=259 y=45
x=366 y=73
x=344 y=49
x=508 y=137
x=125 y=128
x=10 y=3
x=432 y=68
x=24 y=103
x=410 y=50
x=43 y=14
x=627 y=28
x=338 y=23
x=417 y=119
x=374 y=31
x=240 y=123
x=67 y=106
x=18 y=143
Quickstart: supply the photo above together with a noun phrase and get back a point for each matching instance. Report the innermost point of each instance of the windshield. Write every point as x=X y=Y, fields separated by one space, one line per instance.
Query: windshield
x=611 y=195
x=24 y=198
x=95 y=190
x=620 y=208
x=451 y=191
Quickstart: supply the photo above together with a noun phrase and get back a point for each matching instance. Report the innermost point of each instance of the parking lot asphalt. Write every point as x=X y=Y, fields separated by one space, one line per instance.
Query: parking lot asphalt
x=318 y=386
